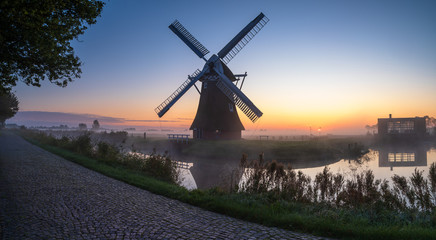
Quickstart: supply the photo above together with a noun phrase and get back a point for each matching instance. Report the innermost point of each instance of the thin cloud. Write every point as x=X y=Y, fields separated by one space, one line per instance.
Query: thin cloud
x=187 y=119
x=42 y=118
x=148 y=120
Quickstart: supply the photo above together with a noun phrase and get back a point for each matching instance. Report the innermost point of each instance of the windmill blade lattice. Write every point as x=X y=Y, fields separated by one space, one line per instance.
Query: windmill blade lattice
x=238 y=97
x=242 y=38
x=169 y=102
x=188 y=39
x=238 y=102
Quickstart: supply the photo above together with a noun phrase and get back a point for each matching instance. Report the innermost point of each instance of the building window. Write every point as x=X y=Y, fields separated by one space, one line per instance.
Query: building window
x=395 y=127
x=391 y=157
x=401 y=157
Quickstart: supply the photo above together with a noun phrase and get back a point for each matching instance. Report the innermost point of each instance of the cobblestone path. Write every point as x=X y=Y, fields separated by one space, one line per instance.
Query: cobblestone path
x=43 y=196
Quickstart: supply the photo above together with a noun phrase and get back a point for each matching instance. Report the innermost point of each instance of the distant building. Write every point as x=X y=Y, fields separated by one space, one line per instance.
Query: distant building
x=401 y=127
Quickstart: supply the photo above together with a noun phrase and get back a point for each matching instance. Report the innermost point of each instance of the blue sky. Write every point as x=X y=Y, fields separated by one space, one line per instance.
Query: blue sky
x=335 y=64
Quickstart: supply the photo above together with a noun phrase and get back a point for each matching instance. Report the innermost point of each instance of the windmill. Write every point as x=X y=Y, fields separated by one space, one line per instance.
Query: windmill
x=216 y=116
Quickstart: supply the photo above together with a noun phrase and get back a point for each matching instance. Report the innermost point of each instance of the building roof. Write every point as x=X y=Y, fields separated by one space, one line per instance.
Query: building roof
x=397 y=119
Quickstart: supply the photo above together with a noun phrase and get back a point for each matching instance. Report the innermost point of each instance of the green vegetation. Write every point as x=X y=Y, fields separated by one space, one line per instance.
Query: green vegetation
x=285 y=199
x=35 y=40
x=8 y=106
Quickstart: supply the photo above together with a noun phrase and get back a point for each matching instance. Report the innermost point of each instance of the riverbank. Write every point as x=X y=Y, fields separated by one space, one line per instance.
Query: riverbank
x=283 y=151
x=322 y=219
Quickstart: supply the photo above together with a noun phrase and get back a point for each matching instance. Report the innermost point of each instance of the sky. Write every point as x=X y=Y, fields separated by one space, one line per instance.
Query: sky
x=334 y=65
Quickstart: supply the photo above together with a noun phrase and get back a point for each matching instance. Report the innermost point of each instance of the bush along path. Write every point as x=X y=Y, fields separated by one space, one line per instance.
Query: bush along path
x=44 y=196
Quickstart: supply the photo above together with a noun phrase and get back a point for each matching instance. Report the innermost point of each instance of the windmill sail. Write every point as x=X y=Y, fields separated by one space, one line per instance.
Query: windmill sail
x=238 y=97
x=242 y=38
x=169 y=102
x=188 y=39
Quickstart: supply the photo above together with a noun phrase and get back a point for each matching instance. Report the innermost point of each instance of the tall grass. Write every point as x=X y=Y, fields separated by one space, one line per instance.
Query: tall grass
x=281 y=182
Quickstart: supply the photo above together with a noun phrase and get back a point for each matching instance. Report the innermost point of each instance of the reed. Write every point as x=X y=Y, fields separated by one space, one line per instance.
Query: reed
x=281 y=182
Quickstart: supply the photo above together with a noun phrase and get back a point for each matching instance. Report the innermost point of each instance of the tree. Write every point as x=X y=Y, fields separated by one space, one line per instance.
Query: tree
x=431 y=124
x=82 y=126
x=371 y=129
x=35 y=40
x=95 y=125
x=8 y=107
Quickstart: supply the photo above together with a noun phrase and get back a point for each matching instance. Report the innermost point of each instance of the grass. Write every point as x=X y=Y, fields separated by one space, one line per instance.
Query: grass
x=319 y=219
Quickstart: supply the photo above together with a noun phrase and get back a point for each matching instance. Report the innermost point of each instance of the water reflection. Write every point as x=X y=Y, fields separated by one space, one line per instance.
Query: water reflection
x=384 y=161
x=209 y=173
x=186 y=179
x=402 y=156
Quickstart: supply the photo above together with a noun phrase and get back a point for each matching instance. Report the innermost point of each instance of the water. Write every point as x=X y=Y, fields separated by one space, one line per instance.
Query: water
x=384 y=161
x=207 y=174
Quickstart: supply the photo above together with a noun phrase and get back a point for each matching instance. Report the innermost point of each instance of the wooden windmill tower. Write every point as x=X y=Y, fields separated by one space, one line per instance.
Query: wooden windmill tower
x=216 y=116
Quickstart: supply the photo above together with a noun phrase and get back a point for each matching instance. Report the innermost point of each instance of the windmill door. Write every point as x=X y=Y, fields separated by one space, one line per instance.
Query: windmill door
x=199 y=133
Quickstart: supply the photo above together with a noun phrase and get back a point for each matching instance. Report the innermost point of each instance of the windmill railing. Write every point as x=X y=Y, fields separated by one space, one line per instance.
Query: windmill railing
x=165 y=105
x=235 y=50
x=238 y=102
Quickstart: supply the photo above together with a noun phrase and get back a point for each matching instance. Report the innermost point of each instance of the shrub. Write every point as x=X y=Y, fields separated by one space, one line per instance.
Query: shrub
x=82 y=144
x=421 y=190
x=64 y=142
x=107 y=153
x=162 y=167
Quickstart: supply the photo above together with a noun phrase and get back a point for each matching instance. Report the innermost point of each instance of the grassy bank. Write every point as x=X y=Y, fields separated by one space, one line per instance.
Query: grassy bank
x=264 y=208
x=283 y=151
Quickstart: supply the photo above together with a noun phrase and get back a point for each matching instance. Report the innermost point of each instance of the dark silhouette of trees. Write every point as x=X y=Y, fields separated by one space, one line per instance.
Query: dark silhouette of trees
x=431 y=121
x=95 y=125
x=371 y=129
x=82 y=126
x=8 y=107
x=35 y=40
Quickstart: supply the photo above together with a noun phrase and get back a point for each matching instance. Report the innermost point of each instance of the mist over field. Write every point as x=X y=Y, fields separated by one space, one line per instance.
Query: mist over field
x=179 y=125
